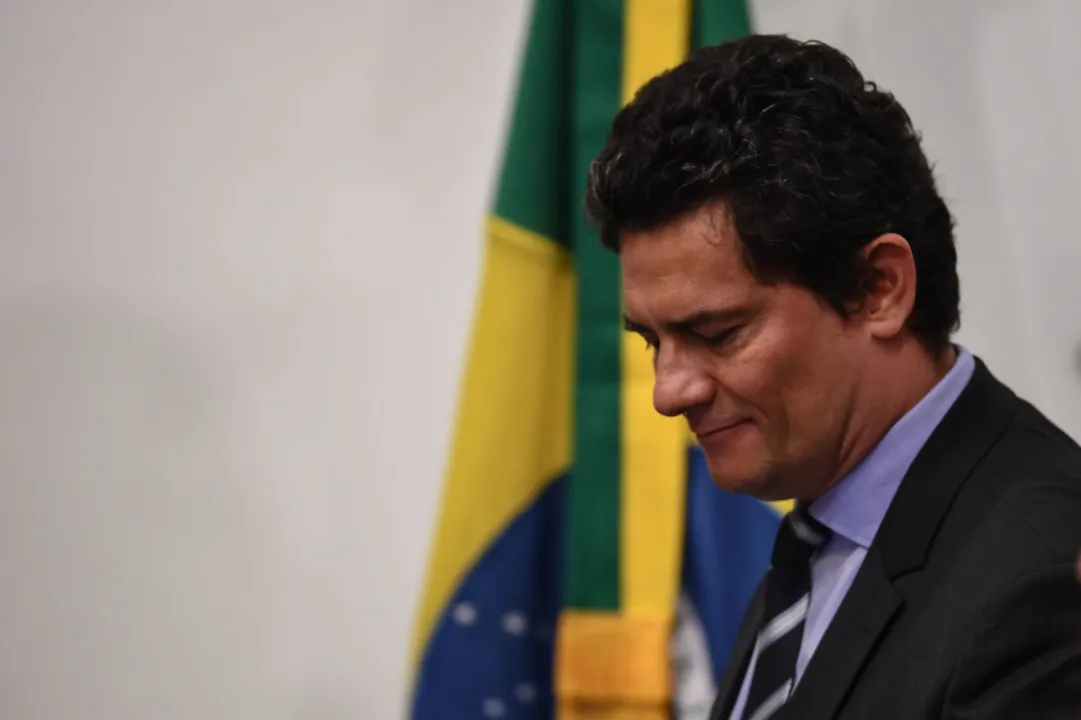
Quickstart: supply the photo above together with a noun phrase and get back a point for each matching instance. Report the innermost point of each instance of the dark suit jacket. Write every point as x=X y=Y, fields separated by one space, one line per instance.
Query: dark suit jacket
x=966 y=605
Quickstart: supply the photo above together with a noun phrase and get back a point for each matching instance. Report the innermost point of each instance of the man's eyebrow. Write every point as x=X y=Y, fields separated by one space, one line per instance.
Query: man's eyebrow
x=690 y=322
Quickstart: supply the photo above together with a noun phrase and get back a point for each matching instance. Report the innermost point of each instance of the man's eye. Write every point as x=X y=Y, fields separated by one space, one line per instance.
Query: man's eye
x=720 y=338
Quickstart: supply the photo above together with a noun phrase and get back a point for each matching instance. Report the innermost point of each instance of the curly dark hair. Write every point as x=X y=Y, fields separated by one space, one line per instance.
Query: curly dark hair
x=812 y=161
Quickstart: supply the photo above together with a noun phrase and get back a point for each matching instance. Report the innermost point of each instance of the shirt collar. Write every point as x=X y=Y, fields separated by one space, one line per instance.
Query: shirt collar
x=855 y=506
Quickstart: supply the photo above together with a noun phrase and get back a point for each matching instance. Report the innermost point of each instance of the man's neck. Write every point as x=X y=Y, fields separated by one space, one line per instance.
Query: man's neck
x=890 y=389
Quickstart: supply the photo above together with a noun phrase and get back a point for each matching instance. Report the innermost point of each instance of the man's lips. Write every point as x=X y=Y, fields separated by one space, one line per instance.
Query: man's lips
x=702 y=435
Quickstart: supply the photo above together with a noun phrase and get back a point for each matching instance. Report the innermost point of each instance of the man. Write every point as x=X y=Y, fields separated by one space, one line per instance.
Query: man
x=787 y=258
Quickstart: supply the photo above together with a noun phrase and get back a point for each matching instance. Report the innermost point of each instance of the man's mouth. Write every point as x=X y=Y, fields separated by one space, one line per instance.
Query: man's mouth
x=719 y=429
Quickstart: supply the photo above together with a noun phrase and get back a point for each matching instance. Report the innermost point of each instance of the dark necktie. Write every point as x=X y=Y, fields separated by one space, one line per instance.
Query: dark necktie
x=788 y=595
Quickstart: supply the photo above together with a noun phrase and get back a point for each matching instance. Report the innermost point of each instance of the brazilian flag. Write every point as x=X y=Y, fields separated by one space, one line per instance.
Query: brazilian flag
x=583 y=566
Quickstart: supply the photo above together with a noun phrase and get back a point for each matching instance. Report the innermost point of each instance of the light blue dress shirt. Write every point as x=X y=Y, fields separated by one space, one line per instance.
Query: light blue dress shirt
x=853 y=509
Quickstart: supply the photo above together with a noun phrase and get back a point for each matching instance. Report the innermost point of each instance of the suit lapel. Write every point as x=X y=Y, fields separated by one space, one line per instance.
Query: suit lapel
x=741 y=656
x=976 y=420
x=871 y=603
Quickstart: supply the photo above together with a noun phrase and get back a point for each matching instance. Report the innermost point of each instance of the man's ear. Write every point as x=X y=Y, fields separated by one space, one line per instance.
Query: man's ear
x=890 y=293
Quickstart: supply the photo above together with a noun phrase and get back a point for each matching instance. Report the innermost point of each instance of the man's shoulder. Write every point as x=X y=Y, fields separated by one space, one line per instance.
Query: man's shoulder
x=995 y=469
x=1032 y=454
x=1029 y=484
x=1002 y=590
x=1028 y=440
x=1016 y=518
x=996 y=490
x=1030 y=427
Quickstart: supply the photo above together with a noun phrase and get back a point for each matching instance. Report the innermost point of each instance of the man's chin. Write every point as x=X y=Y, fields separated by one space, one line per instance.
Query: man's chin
x=759 y=485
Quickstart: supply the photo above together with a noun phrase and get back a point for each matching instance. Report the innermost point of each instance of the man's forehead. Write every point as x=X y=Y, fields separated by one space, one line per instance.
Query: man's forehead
x=682 y=297
x=670 y=267
x=691 y=246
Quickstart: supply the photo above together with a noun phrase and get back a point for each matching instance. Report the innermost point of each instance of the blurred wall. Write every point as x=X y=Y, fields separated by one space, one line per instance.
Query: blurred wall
x=239 y=243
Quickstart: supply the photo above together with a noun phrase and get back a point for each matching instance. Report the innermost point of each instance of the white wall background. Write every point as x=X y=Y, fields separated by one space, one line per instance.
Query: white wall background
x=238 y=243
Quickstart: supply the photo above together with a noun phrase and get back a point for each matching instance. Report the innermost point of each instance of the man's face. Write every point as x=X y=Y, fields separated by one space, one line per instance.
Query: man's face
x=765 y=374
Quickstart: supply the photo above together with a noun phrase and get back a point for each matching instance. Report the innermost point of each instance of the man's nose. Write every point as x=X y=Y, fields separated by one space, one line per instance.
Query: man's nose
x=679 y=385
